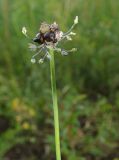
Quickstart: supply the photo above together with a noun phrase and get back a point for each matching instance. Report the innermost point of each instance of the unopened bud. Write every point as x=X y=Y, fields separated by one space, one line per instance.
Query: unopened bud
x=33 y=60
x=41 y=61
x=24 y=31
x=74 y=50
x=72 y=33
x=69 y=38
x=76 y=20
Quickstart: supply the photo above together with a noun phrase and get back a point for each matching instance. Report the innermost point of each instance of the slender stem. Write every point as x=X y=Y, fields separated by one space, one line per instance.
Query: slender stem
x=55 y=106
x=65 y=34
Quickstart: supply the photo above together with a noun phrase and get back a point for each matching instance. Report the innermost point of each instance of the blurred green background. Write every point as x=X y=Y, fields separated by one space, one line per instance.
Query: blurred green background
x=87 y=82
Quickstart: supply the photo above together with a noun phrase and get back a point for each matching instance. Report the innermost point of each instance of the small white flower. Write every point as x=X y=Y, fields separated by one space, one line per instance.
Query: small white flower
x=69 y=38
x=64 y=53
x=74 y=50
x=41 y=60
x=33 y=60
x=72 y=33
x=24 y=31
x=76 y=20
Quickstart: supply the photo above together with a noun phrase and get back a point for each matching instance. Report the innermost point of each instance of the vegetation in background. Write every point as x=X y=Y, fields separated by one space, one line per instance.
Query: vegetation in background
x=88 y=82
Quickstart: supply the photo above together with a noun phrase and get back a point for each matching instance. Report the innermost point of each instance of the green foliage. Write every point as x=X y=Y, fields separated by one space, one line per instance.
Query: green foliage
x=87 y=81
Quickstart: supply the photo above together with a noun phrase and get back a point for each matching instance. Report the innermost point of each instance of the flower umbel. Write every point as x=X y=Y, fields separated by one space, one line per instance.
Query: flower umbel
x=49 y=36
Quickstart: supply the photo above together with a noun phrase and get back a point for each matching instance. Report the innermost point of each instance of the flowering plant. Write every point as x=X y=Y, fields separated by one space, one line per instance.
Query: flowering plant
x=48 y=38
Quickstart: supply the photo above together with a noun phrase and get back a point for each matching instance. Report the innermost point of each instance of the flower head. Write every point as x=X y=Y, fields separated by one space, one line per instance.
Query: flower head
x=49 y=36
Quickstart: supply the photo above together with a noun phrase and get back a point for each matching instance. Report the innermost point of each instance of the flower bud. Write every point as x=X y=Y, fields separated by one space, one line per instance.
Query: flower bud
x=72 y=33
x=41 y=61
x=33 y=60
x=24 y=31
x=64 y=53
x=74 y=50
x=69 y=38
x=76 y=20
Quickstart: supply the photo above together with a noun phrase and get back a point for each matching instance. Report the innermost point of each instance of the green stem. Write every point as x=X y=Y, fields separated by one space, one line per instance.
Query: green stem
x=55 y=105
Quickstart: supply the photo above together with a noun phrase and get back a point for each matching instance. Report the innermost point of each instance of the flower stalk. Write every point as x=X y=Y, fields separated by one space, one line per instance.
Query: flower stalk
x=55 y=105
